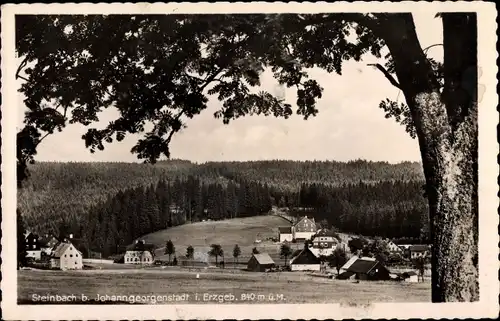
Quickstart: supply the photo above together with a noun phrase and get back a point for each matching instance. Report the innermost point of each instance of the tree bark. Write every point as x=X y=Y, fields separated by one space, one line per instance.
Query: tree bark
x=446 y=127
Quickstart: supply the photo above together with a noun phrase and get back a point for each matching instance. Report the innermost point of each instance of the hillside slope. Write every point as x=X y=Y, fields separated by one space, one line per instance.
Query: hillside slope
x=227 y=233
x=62 y=192
x=56 y=190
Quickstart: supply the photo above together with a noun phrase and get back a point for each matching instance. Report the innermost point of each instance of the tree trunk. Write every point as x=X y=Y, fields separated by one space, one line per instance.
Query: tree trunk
x=446 y=127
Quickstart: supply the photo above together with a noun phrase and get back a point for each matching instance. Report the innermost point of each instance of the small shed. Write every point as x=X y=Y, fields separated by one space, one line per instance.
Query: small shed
x=410 y=276
x=260 y=262
x=363 y=269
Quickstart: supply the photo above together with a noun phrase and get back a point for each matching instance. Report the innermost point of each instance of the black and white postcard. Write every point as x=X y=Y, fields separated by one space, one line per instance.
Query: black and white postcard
x=249 y=161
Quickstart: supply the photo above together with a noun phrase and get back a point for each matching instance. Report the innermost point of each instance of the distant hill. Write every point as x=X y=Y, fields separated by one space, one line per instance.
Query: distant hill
x=291 y=174
x=57 y=188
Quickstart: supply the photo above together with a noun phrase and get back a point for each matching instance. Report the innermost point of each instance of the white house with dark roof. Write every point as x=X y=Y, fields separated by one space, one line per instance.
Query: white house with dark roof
x=324 y=239
x=304 y=229
x=285 y=234
x=66 y=257
x=306 y=260
x=140 y=253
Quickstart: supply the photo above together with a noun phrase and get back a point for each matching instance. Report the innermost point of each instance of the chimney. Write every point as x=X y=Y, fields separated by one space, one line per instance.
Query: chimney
x=70 y=236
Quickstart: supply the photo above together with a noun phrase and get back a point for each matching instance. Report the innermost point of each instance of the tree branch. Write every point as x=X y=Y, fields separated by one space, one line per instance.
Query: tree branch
x=387 y=75
x=21 y=66
x=429 y=47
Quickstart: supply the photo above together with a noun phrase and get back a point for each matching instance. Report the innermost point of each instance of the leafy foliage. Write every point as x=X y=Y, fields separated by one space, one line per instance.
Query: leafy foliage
x=285 y=252
x=216 y=251
x=159 y=69
x=169 y=249
x=236 y=252
x=21 y=243
x=357 y=244
x=337 y=259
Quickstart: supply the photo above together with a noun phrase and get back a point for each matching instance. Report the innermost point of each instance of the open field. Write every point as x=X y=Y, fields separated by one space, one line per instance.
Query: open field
x=227 y=233
x=284 y=287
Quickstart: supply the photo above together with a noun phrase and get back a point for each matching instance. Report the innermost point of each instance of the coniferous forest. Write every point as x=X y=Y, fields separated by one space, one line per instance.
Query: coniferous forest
x=108 y=205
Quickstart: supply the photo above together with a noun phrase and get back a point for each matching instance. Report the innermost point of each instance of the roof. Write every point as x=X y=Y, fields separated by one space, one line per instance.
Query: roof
x=295 y=253
x=141 y=246
x=285 y=230
x=61 y=248
x=31 y=234
x=319 y=252
x=325 y=232
x=44 y=241
x=263 y=258
x=362 y=266
x=349 y=262
x=306 y=256
x=409 y=273
x=419 y=248
x=306 y=218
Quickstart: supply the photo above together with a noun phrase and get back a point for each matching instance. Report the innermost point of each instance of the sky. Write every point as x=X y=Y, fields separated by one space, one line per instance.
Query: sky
x=349 y=125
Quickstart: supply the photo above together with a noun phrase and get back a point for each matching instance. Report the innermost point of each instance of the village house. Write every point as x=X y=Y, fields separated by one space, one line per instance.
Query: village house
x=47 y=244
x=33 y=249
x=304 y=229
x=324 y=239
x=306 y=260
x=285 y=234
x=260 y=262
x=417 y=251
x=351 y=261
x=66 y=257
x=363 y=269
x=394 y=248
x=140 y=253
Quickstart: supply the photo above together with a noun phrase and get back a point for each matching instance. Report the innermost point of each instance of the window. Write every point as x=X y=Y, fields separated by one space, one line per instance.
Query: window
x=76 y=263
x=76 y=255
x=65 y=255
x=34 y=246
x=70 y=248
x=71 y=255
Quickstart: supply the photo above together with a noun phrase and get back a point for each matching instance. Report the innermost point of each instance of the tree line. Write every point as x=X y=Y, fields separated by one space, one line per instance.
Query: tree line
x=111 y=225
x=388 y=209
x=61 y=193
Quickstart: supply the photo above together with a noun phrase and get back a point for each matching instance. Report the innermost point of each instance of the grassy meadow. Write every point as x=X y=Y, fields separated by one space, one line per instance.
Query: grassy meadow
x=227 y=233
x=283 y=287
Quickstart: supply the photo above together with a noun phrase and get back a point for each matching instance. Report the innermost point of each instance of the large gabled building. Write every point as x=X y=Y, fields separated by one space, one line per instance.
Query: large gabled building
x=303 y=230
x=140 y=253
x=66 y=257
